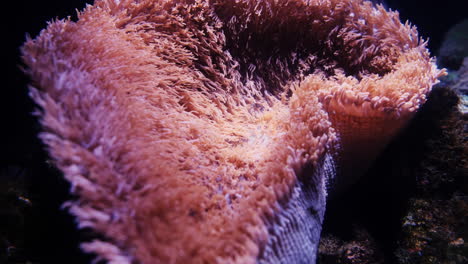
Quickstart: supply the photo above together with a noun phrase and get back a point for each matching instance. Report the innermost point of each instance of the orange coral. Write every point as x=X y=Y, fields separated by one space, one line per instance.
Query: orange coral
x=203 y=131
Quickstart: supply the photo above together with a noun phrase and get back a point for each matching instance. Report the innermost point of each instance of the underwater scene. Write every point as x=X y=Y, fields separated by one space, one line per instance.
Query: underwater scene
x=243 y=131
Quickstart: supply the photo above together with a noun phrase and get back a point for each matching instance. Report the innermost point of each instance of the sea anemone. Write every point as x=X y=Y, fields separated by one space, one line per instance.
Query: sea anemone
x=207 y=131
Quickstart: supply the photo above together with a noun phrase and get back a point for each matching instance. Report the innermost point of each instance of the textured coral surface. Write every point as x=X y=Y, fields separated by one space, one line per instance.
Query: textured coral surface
x=199 y=131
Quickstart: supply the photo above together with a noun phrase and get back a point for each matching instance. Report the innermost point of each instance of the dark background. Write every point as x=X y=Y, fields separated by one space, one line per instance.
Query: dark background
x=36 y=229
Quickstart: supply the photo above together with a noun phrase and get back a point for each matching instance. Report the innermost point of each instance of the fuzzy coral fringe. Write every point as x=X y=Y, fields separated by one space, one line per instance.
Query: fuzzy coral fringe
x=199 y=131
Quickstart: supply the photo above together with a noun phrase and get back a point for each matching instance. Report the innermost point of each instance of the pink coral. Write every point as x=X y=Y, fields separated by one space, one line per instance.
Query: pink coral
x=204 y=131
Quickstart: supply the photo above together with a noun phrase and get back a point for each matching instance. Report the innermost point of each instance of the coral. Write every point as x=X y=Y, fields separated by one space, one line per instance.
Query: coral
x=207 y=131
x=460 y=84
x=454 y=47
